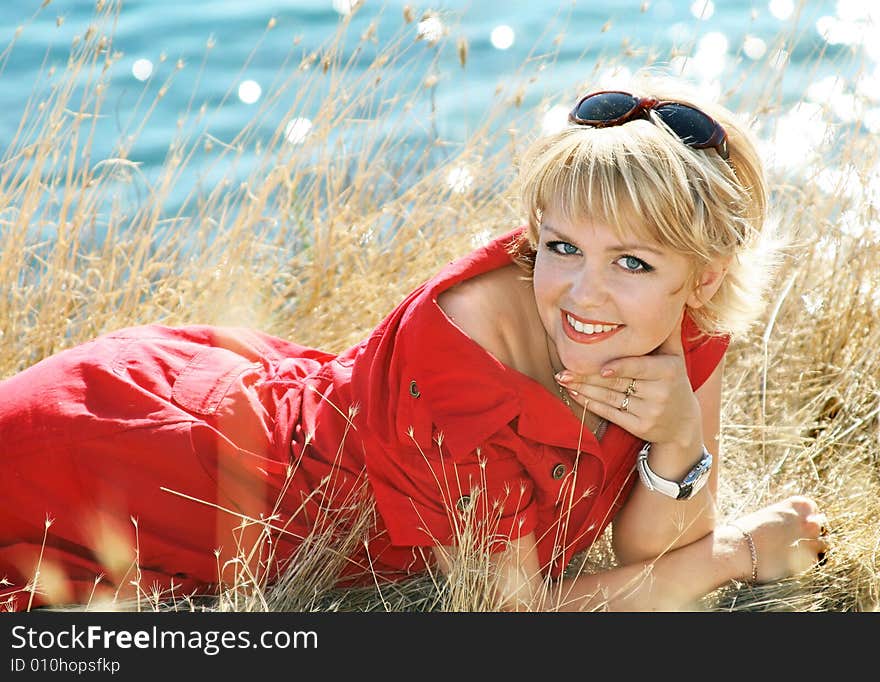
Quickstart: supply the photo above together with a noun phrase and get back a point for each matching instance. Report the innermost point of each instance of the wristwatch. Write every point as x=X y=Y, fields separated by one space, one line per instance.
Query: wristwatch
x=688 y=487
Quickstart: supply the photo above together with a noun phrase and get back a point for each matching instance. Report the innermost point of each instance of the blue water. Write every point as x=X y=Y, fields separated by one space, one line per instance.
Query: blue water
x=162 y=32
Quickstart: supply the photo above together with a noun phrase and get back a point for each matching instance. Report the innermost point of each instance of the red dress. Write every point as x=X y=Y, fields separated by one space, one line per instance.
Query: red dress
x=148 y=447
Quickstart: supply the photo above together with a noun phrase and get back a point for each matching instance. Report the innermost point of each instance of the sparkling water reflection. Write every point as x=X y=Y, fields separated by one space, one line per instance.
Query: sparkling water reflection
x=213 y=69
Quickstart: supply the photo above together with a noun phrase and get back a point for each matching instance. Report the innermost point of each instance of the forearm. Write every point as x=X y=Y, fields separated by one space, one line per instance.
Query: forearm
x=650 y=523
x=674 y=581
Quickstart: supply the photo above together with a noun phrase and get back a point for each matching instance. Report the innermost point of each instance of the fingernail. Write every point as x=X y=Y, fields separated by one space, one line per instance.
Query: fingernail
x=607 y=372
x=563 y=377
x=573 y=393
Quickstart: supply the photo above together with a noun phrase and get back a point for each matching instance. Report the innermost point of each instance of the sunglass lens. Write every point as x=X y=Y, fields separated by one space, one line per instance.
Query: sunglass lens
x=606 y=107
x=692 y=126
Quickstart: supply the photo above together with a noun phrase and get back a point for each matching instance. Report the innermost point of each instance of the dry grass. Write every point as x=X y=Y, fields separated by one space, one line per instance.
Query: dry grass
x=344 y=225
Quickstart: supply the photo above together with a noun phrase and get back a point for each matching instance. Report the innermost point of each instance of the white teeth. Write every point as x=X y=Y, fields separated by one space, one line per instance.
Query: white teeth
x=586 y=328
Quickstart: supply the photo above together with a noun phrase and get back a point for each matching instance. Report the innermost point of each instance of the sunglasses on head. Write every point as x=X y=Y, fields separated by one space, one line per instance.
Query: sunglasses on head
x=613 y=108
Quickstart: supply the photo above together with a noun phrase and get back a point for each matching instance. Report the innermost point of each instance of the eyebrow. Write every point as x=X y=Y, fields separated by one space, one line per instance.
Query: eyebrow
x=613 y=247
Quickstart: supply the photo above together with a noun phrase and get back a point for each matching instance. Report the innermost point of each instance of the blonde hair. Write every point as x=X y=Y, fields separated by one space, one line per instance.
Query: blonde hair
x=640 y=178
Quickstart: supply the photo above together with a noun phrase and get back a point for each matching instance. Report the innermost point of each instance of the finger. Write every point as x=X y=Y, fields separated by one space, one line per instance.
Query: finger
x=814 y=546
x=820 y=522
x=625 y=420
x=645 y=367
x=616 y=383
x=824 y=551
x=611 y=398
x=672 y=345
x=627 y=385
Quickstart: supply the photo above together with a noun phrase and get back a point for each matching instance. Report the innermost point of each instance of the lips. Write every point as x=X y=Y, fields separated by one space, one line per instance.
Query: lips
x=589 y=330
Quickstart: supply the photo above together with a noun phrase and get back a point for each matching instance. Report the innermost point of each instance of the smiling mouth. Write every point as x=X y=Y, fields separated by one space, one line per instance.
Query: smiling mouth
x=588 y=331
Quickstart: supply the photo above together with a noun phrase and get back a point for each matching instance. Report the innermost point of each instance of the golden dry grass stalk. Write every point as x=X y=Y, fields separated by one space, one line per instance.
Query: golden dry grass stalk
x=322 y=238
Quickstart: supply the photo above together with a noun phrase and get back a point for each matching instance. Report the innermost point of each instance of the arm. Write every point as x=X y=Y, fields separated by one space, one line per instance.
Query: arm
x=786 y=535
x=650 y=523
x=674 y=581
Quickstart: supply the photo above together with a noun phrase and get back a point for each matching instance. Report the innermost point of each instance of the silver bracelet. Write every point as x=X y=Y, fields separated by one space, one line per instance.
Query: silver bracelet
x=752 y=550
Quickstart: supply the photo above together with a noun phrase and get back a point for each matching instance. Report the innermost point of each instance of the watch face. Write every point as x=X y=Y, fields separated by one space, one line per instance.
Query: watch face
x=691 y=484
x=695 y=474
x=696 y=477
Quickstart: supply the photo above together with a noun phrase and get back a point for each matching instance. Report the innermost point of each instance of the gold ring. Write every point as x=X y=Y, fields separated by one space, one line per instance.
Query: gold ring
x=631 y=388
x=625 y=404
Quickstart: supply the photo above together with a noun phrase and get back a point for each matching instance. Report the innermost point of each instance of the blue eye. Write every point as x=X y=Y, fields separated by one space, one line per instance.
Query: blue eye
x=562 y=248
x=633 y=264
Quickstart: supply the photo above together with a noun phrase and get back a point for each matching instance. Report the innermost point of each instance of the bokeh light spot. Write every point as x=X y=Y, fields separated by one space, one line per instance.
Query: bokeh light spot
x=502 y=37
x=297 y=130
x=249 y=91
x=142 y=69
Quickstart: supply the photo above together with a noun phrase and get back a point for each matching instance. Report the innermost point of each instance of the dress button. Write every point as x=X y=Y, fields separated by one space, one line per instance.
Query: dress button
x=558 y=471
x=463 y=504
x=414 y=389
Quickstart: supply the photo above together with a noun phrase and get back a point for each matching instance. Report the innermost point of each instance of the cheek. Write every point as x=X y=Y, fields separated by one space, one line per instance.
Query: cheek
x=545 y=285
x=655 y=317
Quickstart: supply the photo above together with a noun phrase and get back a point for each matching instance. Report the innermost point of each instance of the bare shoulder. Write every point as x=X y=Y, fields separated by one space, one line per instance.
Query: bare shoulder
x=489 y=309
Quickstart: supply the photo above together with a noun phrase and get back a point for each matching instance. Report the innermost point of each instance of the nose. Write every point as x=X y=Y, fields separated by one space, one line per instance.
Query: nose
x=588 y=288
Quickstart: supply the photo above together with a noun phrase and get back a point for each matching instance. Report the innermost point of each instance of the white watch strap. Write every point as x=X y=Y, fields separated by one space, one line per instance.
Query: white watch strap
x=693 y=482
x=651 y=480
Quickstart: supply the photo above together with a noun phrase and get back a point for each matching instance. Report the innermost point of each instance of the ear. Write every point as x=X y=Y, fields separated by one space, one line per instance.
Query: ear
x=708 y=281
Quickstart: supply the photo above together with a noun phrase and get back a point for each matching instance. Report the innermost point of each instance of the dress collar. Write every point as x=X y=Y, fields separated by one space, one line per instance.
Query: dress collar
x=492 y=389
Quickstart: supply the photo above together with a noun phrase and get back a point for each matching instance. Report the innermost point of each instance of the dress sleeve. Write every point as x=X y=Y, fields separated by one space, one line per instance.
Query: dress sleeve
x=442 y=455
x=702 y=352
x=428 y=497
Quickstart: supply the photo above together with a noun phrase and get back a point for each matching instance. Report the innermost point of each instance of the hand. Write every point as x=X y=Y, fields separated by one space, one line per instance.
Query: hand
x=789 y=537
x=650 y=395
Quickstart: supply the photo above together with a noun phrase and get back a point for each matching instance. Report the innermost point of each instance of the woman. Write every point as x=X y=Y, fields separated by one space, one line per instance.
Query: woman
x=563 y=377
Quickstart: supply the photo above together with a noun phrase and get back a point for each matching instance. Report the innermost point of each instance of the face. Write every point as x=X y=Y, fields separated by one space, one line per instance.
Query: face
x=602 y=298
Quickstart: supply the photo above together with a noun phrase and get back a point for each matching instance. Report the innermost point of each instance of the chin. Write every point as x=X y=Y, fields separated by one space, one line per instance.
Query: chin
x=584 y=366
